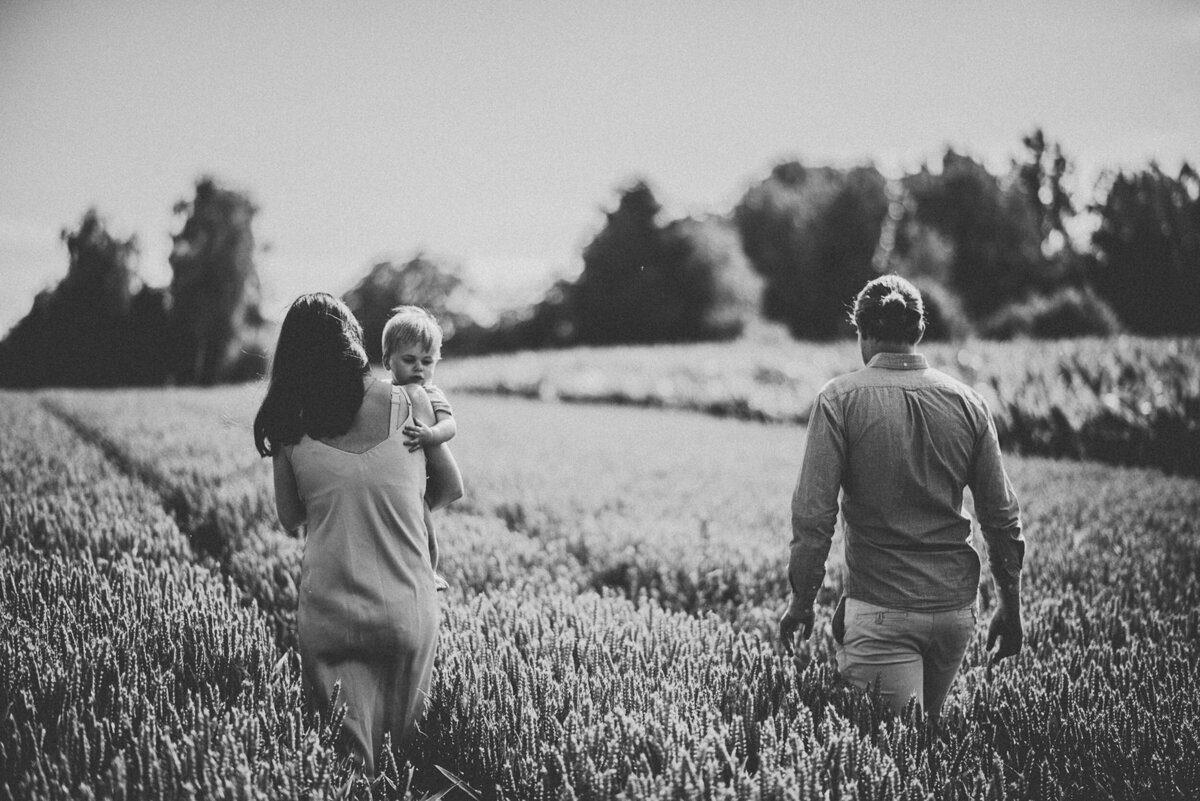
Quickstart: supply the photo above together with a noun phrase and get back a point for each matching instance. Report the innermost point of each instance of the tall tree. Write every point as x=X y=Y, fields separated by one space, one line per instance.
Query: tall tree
x=1042 y=176
x=715 y=291
x=98 y=327
x=215 y=292
x=976 y=232
x=421 y=281
x=642 y=281
x=1147 y=249
x=623 y=288
x=812 y=233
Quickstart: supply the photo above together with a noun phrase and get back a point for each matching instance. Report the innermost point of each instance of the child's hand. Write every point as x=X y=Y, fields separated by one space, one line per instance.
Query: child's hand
x=417 y=436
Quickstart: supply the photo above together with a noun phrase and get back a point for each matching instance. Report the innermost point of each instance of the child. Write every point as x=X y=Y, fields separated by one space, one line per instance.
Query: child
x=412 y=346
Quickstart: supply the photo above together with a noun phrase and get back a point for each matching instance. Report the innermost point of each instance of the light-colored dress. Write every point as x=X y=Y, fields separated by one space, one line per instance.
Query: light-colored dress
x=368 y=611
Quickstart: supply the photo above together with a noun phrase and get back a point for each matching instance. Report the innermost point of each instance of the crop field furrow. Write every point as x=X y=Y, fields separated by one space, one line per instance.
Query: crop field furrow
x=223 y=499
x=59 y=494
x=221 y=519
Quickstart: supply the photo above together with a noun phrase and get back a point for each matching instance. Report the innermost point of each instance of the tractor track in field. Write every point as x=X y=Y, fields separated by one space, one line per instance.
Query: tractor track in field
x=191 y=521
x=211 y=545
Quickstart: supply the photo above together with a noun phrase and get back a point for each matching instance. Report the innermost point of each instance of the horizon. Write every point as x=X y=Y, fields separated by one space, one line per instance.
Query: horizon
x=495 y=136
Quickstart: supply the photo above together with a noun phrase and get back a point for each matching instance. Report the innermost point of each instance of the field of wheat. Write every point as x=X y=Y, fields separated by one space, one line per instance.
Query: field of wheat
x=615 y=577
x=1125 y=400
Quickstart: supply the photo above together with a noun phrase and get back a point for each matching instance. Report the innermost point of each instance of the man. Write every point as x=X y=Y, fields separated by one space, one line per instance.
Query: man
x=901 y=441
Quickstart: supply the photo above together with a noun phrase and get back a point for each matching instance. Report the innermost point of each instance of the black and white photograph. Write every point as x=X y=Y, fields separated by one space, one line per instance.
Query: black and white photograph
x=539 y=400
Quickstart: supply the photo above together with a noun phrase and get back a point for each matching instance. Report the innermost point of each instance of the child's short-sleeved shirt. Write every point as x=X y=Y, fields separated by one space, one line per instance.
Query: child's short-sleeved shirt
x=437 y=399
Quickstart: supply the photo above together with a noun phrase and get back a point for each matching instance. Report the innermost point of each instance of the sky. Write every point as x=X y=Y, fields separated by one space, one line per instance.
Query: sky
x=496 y=134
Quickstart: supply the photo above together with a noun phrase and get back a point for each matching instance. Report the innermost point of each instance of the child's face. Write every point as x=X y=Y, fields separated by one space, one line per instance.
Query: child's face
x=412 y=364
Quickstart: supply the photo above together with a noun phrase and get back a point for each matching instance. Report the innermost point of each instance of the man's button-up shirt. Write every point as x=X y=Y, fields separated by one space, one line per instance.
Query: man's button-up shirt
x=901 y=441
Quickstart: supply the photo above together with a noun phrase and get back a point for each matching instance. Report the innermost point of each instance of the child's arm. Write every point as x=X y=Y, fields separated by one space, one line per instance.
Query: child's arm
x=444 y=485
x=419 y=435
x=443 y=428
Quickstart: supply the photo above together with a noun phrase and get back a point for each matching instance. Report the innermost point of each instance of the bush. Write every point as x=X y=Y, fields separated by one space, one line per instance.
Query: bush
x=945 y=319
x=545 y=324
x=1069 y=312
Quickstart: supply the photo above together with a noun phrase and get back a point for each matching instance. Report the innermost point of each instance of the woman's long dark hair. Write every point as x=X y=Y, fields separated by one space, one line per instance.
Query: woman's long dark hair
x=316 y=384
x=889 y=309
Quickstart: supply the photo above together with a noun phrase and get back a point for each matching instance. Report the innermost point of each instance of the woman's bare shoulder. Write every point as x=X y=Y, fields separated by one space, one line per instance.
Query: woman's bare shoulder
x=375 y=406
x=416 y=391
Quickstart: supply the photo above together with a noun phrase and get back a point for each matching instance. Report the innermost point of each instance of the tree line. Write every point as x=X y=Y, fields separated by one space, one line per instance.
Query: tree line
x=993 y=254
x=102 y=325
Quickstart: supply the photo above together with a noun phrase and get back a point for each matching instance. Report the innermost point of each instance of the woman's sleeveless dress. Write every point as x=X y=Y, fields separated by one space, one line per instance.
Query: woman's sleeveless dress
x=368 y=611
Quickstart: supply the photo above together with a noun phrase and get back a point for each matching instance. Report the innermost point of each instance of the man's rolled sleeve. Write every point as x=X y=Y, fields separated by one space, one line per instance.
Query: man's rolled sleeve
x=998 y=511
x=815 y=502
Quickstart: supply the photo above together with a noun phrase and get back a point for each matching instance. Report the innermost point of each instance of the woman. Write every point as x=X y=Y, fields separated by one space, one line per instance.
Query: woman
x=368 y=612
x=901 y=441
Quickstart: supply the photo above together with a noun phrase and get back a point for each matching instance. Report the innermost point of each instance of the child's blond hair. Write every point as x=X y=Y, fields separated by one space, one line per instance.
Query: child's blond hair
x=412 y=325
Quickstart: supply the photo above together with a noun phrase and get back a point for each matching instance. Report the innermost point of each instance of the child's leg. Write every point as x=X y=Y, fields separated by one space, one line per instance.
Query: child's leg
x=438 y=581
x=433 y=546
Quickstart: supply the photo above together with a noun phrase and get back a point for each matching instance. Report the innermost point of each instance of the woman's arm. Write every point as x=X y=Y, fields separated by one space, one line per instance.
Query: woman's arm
x=288 y=505
x=445 y=483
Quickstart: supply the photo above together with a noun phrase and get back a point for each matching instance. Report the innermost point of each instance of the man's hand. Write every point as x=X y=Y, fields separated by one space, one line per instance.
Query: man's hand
x=1005 y=632
x=795 y=619
x=417 y=436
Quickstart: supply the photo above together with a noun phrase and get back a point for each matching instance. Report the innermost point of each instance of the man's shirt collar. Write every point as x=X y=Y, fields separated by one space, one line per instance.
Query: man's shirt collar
x=899 y=361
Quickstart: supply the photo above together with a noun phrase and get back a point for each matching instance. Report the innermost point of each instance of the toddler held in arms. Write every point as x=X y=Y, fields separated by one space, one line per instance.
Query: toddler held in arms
x=412 y=347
